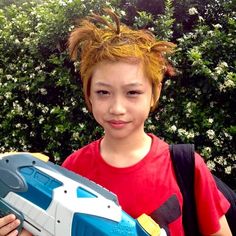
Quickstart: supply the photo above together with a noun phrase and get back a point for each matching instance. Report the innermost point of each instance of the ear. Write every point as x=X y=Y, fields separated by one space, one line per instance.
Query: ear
x=88 y=102
x=156 y=94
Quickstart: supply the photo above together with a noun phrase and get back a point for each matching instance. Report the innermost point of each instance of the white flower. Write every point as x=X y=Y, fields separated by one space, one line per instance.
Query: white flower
x=192 y=11
x=29 y=113
x=123 y=13
x=217 y=143
x=228 y=170
x=56 y=129
x=168 y=82
x=41 y=120
x=44 y=109
x=227 y=135
x=210 y=120
x=201 y=19
x=151 y=127
x=163 y=97
x=37 y=68
x=229 y=83
x=17 y=41
x=76 y=135
x=66 y=108
x=18 y=125
x=182 y=132
x=9 y=77
x=211 y=164
x=43 y=91
x=84 y=109
x=189 y=110
x=151 y=29
x=173 y=128
x=210 y=133
x=62 y=3
x=217 y=26
x=223 y=64
x=207 y=149
x=17 y=107
x=189 y=104
x=26 y=41
x=81 y=125
x=32 y=75
x=190 y=135
x=221 y=160
x=8 y=94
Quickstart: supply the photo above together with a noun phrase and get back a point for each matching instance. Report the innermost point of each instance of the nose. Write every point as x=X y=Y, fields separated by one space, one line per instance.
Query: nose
x=117 y=106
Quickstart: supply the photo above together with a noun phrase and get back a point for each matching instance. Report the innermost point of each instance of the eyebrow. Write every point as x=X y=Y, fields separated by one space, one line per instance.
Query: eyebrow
x=102 y=84
x=132 y=84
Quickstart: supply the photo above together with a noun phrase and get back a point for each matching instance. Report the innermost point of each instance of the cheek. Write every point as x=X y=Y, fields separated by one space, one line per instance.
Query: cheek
x=97 y=113
x=141 y=110
x=97 y=108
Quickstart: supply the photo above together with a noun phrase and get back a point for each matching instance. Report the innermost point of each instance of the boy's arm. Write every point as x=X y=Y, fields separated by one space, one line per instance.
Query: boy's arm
x=224 y=228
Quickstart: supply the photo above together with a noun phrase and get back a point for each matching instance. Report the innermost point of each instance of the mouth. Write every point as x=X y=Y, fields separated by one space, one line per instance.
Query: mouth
x=117 y=123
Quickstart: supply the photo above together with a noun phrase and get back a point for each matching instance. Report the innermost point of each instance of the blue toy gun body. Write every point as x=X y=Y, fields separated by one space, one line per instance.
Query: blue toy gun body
x=52 y=201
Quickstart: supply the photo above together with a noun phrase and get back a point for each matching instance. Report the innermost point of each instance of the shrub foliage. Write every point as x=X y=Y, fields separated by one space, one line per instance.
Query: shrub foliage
x=42 y=106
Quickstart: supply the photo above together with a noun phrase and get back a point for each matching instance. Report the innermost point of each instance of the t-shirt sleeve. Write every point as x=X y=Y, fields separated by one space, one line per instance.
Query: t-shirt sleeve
x=210 y=202
x=68 y=162
x=82 y=161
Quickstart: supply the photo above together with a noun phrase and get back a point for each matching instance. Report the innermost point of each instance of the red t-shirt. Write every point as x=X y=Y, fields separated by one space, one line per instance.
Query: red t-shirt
x=150 y=185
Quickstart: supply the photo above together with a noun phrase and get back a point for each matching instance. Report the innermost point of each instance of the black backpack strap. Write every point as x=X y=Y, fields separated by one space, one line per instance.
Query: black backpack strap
x=183 y=161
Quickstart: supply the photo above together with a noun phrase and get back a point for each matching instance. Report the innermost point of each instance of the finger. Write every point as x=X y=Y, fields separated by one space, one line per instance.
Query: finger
x=13 y=233
x=10 y=227
x=6 y=220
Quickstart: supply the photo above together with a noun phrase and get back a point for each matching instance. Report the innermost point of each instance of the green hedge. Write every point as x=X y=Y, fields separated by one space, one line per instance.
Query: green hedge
x=42 y=106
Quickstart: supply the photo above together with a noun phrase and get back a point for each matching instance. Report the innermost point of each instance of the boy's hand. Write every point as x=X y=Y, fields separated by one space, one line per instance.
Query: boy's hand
x=8 y=225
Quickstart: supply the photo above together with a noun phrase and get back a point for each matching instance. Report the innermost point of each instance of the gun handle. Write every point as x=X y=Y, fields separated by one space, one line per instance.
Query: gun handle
x=6 y=209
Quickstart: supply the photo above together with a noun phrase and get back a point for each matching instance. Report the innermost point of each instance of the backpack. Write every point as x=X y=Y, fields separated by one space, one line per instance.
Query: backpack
x=182 y=156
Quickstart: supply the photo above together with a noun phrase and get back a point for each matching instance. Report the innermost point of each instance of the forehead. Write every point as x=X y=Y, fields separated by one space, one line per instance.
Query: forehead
x=122 y=72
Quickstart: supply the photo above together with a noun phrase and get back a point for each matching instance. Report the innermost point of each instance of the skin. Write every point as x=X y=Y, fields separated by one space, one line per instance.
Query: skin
x=8 y=225
x=224 y=228
x=121 y=97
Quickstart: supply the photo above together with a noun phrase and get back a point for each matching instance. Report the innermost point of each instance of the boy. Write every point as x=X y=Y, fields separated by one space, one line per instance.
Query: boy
x=122 y=71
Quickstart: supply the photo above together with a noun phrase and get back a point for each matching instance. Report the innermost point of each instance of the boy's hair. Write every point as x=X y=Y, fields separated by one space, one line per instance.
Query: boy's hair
x=117 y=42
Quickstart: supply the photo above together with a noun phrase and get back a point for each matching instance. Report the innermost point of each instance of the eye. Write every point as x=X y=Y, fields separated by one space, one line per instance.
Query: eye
x=133 y=93
x=102 y=92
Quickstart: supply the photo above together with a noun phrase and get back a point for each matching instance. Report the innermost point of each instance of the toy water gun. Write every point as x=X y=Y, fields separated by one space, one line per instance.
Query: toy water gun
x=52 y=201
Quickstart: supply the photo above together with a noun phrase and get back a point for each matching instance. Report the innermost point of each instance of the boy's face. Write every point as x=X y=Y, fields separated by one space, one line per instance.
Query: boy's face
x=120 y=96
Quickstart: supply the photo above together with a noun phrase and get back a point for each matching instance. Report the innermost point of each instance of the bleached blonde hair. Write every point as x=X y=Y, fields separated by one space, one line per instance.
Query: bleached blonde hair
x=96 y=40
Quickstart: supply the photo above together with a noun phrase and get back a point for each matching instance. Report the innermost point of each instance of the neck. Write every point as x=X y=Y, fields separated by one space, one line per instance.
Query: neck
x=125 y=152
x=132 y=142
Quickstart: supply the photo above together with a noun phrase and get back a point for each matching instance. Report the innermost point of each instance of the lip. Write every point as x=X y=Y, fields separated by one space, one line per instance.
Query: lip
x=117 y=123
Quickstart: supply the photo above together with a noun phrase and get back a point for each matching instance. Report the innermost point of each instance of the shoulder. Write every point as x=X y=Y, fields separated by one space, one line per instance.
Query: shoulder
x=80 y=157
x=201 y=168
x=159 y=145
x=159 y=152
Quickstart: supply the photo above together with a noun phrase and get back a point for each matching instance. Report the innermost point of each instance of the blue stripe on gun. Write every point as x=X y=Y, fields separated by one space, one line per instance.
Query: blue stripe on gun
x=40 y=186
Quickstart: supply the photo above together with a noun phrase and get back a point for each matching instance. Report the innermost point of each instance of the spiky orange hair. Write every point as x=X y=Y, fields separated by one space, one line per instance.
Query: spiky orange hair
x=105 y=41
